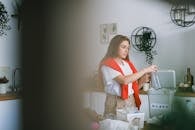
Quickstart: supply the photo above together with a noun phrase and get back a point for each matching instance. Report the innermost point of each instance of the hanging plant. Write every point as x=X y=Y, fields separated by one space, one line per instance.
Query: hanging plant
x=144 y=40
x=4 y=19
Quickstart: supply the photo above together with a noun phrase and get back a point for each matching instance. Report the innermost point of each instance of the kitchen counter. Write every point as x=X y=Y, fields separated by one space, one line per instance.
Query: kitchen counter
x=143 y=92
x=101 y=90
x=9 y=96
x=178 y=93
x=185 y=94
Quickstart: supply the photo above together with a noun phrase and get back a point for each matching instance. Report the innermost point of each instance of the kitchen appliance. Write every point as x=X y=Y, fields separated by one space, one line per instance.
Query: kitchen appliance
x=164 y=79
x=161 y=97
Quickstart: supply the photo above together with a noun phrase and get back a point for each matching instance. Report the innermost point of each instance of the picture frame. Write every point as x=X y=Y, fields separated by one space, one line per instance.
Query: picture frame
x=112 y=28
x=104 y=33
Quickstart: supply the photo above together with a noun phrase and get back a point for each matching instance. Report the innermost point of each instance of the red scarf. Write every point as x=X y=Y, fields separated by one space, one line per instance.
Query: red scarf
x=124 y=87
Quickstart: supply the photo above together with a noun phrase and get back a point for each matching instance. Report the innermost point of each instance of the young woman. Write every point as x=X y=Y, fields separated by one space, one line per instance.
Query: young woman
x=121 y=79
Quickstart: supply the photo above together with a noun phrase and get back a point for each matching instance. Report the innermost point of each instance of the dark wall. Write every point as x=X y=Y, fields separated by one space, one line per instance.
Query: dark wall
x=51 y=96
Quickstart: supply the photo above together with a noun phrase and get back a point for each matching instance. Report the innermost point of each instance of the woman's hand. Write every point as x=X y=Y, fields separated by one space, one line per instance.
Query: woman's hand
x=144 y=79
x=136 y=76
x=152 y=68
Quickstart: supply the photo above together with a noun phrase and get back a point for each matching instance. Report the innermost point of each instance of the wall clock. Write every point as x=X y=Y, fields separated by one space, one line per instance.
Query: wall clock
x=144 y=39
x=183 y=13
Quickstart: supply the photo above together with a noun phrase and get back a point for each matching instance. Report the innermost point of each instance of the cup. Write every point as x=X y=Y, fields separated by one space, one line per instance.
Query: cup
x=146 y=86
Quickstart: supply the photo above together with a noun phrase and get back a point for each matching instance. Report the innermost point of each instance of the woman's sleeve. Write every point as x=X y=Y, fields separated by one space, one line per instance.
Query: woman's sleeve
x=109 y=73
x=111 y=86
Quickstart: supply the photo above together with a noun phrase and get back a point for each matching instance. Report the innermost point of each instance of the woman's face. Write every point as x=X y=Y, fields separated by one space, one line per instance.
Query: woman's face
x=123 y=49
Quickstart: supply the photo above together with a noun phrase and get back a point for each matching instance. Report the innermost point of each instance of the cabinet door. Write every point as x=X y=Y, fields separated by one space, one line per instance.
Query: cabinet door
x=144 y=106
x=95 y=101
x=10 y=115
x=186 y=103
x=159 y=104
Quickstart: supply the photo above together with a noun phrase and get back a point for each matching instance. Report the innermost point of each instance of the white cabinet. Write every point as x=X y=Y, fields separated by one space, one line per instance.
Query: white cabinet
x=10 y=115
x=95 y=101
x=144 y=106
x=160 y=104
x=184 y=103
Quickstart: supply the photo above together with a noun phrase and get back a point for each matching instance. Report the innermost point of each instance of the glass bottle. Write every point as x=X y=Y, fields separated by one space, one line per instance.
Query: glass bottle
x=188 y=79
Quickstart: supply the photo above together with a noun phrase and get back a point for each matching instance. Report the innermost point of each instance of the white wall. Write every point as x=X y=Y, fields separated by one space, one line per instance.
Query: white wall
x=10 y=43
x=174 y=44
x=83 y=19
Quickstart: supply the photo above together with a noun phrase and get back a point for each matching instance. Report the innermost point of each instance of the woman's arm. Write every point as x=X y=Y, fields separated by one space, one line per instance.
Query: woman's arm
x=144 y=79
x=135 y=76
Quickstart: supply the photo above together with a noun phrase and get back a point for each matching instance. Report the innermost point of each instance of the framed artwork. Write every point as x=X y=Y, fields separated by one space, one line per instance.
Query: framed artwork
x=112 y=28
x=107 y=32
x=104 y=33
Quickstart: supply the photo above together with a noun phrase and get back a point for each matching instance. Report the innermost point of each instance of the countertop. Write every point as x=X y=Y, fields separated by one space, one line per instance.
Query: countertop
x=178 y=93
x=9 y=96
x=185 y=94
